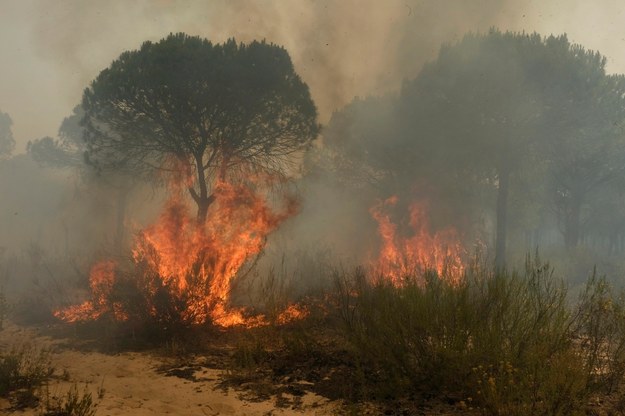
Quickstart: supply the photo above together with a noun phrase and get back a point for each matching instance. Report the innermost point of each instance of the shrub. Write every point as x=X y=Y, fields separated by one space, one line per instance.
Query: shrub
x=510 y=342
x=22 y=371
x=600 y=331
x=23 y=368
x=72 y=404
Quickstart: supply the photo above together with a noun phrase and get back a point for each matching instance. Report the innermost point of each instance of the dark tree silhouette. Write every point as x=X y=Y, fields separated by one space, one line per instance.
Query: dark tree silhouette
x=217 y=109
x=65 y=152
x=503 y=102
x=513 y=123
x=479 y=102
x=584 y=139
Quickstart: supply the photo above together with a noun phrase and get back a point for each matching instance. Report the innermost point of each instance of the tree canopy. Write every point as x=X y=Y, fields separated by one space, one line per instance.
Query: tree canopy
x=216 y=108
x=65 y=152
x=532 y=124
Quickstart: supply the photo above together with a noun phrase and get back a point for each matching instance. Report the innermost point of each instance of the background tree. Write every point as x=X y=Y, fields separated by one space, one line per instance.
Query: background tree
x=504 y=102
x=477 y=105
x=358 y=144
x=65 y=152
x=505 y=125
x=216 y=109
x=7 y=143
x=584 y=140
x=68 y=152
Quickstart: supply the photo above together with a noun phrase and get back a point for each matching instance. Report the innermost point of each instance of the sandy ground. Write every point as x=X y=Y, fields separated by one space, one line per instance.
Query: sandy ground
x=131 y=384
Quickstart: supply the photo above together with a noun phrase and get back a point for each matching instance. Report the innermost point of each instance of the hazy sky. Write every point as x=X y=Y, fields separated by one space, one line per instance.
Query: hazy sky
x=51 y=49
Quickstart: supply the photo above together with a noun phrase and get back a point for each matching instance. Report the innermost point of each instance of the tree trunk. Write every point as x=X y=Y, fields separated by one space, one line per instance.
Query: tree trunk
x=120 y=226
x=202 y=208
x=203 y=199
x=502 y=217
x=572 y=225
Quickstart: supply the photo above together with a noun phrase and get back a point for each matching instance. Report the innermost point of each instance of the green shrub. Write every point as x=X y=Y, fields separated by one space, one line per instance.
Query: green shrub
x=600 y=331
x=511 y=343
x=72 y=404
x=23 y=368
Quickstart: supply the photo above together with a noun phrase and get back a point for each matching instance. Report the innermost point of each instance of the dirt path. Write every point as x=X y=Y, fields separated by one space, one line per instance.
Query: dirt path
x=131 y=383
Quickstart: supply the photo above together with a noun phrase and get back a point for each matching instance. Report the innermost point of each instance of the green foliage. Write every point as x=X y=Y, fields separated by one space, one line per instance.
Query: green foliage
x=72 y=404
x=524 y=128
x=67 y=151
x=355 y=153
x=601 y=333
x=511 y=344
x=215 y=109
x=23 y=369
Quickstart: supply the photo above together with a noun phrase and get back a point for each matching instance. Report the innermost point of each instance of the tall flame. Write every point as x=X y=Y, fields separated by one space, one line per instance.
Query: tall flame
x=403 y=256
x=201 y=260
x=194 y=263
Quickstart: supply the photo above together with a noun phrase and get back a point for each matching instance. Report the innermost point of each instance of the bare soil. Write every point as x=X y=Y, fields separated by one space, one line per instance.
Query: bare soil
x=148 y=383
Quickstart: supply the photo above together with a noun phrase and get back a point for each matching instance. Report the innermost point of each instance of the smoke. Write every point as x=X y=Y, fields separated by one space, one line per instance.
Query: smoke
x=341 y=49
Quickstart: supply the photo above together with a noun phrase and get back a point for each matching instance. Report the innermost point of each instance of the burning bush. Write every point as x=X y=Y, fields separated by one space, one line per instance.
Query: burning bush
x=183 y=270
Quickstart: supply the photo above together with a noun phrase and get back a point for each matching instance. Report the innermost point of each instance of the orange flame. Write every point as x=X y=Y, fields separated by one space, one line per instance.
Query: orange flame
x=196 y=264
x=401 y=257
x=101 y=281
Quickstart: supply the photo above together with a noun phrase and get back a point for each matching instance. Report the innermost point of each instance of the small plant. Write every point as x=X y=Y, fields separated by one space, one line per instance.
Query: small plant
x=101 y=390
x=72 y=403
x=65 y=375
x=300 y=343
x=248 y=356
x=23 y=368
x=22 y=371
x=174 y=347
x=556 y=388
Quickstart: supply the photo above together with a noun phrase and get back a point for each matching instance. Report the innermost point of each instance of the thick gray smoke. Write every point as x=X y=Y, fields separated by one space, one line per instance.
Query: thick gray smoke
x=342 y=49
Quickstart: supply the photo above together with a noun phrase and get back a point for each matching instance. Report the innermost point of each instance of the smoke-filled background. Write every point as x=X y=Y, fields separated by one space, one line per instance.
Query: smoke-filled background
x=341 y=49
x=52 y=50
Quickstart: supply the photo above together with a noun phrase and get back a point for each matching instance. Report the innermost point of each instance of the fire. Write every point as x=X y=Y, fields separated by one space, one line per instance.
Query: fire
x=201 y=260
x=292 y=313
x=193 y=264
x=402 y=256
x=101 y=281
